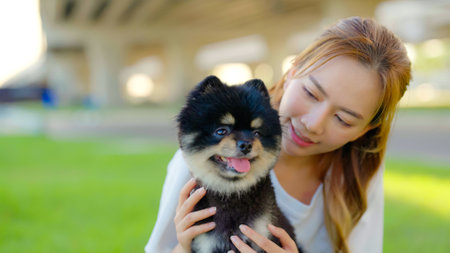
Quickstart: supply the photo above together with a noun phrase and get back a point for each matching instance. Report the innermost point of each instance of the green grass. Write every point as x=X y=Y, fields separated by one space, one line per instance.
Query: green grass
x=102 y=196
x=417 y=207
x=84 y=196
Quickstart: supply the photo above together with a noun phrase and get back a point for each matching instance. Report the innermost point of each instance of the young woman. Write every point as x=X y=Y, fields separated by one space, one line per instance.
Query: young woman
x=336 y=106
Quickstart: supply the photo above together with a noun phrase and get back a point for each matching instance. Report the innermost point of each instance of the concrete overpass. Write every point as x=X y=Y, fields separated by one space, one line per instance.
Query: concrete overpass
x=91 y=42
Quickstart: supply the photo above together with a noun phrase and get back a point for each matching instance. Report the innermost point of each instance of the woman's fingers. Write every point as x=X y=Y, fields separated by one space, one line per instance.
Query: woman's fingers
x=241 y=245
x=286 y=241
x=190 y=203
x=185 y=219
x=185 y=192
x=192 y=200
x=194 y=217
x=260 y=240
x=193 y=231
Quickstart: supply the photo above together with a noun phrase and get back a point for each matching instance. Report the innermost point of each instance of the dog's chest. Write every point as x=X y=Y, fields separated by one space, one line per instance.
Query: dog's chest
x=219 y=240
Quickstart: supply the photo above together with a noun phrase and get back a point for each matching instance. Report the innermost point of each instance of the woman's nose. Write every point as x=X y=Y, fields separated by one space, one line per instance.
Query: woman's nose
x=315 y=120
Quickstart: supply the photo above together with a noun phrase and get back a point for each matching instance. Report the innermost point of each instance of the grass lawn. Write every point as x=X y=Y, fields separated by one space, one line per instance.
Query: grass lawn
x=102 y=196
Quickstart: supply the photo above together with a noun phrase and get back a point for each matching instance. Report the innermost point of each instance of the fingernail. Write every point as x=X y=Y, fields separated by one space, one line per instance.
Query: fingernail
x=201 y=190
x=243 y=227
x=212 y=209
x=233 y=238
x=211 y=224
x=192 y=180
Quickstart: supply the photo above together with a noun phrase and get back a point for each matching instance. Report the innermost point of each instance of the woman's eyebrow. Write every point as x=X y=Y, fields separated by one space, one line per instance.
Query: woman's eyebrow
x=317 y=84
x=320 y=88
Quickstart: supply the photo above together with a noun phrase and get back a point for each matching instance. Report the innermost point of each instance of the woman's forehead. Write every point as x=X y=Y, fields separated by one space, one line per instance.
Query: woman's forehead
x=348 y=83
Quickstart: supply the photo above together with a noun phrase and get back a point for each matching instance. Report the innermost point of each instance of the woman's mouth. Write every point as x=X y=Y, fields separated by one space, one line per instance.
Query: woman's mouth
x=299 y=139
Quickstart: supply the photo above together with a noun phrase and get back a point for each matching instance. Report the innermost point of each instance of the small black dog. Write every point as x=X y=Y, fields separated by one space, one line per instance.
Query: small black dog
x=230 y=137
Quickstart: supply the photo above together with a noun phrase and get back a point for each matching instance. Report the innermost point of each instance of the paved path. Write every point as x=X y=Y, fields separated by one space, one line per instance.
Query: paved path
x=416 y=134
x=421 y=135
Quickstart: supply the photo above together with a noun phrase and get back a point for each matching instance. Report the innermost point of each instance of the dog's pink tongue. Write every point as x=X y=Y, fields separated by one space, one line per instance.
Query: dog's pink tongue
x=241 y=165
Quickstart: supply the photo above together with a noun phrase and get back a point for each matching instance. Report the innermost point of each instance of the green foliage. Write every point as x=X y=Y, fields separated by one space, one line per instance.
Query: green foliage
x=102 y=196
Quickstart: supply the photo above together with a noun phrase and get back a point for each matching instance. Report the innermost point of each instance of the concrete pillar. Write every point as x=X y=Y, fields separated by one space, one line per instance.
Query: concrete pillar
x=278 y=51
x=67 y=75
x=105 y=58
x=181 y=72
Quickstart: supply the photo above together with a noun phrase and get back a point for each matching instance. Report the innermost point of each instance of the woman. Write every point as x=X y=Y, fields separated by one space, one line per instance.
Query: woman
x=336 y=105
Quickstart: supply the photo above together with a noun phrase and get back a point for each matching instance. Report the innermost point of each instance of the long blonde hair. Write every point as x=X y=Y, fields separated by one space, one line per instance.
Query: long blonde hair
x=354 y=164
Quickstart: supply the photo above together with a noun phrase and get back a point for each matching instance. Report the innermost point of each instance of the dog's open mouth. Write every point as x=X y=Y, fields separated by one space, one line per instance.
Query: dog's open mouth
x=237 y=165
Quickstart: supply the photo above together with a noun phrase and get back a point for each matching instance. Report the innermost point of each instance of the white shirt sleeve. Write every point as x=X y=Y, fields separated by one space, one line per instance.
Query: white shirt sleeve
x=367 y=235
x=163 y=238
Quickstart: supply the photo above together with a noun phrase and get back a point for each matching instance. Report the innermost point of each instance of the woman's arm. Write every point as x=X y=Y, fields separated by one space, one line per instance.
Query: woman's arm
x=163 y=237
x=175 y=226
x=367 y=236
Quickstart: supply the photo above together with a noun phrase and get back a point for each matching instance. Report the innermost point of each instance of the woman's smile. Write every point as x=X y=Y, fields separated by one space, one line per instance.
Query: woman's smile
x=299 y=138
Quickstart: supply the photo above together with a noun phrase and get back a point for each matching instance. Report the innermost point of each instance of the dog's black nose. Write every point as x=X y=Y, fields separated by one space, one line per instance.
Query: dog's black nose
x=244 y=146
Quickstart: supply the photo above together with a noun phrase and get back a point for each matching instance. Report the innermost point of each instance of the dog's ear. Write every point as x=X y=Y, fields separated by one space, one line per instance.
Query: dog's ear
x=210 y=83
x=259 y=86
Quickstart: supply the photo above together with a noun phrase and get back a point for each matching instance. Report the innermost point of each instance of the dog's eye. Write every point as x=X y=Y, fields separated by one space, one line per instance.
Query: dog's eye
x=221 y=131
x=257 y=133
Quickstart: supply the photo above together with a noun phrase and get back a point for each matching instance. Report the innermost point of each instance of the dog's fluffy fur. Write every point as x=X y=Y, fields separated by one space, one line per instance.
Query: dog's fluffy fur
x=230 y=137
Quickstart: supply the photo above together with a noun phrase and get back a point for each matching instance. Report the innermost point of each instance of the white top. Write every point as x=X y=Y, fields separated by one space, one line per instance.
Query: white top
x=307 y=220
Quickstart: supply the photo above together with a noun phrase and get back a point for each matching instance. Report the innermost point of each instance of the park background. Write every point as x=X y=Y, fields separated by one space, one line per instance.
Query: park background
x=89 y=90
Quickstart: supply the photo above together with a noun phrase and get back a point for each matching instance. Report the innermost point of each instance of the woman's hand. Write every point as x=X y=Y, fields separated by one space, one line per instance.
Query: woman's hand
x=185 y=218
x=287 y=243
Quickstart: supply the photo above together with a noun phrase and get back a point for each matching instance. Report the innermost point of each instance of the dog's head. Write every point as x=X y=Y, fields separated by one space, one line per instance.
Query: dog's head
x=230 y=135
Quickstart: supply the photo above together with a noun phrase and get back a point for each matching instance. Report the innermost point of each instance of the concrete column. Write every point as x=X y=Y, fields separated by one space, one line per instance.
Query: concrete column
x=105 y=58
x=278 y=51
x=180 y=69
x=67 y=75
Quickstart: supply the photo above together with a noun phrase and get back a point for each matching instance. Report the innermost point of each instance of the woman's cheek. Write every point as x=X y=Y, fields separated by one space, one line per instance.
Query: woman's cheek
x=292 y=102
x=335 y=141
x=339 y=139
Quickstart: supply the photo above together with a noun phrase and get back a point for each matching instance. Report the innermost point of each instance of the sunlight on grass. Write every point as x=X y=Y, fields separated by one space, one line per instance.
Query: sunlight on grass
x=57 y=195
x=416 y=217
x=426 y=191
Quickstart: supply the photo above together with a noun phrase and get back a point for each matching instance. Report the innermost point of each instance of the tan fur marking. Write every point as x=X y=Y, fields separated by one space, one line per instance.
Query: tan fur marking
x=188 y=139
x=227 y=119
x=256 y=123
x=227 y=146
x=257 y=147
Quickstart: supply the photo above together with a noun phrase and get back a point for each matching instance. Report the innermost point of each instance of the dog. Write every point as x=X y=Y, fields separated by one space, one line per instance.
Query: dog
x=230 y=138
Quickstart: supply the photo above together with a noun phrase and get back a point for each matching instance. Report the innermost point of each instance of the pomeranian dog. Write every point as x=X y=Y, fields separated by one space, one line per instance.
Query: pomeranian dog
x=230 y=138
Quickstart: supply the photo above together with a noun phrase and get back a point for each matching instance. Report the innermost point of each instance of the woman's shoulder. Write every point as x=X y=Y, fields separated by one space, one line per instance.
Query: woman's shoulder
x=177 y=163
x=176 y=177
x=177 y=169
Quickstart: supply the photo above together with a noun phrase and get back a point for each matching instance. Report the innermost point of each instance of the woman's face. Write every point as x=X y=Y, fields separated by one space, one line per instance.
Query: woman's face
x=328 y=107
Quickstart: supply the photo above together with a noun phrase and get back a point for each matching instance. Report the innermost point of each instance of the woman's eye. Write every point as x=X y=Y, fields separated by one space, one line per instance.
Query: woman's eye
x=342 y=121
x=221 y=131
x=309 y=93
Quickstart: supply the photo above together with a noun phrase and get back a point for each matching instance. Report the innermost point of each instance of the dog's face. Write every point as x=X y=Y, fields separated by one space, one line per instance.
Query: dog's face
x=230 y=135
